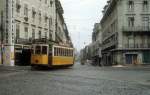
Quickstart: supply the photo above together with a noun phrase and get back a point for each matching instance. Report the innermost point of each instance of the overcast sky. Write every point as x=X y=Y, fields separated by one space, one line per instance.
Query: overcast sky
x=80 y=16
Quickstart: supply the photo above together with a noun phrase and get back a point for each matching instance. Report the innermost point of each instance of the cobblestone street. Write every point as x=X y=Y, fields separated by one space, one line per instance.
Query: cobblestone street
x=78 y=80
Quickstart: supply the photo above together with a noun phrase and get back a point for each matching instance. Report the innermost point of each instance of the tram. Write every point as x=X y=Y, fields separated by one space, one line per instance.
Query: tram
x=52 y=55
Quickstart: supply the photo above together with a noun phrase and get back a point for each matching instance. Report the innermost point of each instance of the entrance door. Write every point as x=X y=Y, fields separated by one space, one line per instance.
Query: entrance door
x=128 y=59
x=18 y=54
x=135 y=59
x=22 y=57
x=131 y=58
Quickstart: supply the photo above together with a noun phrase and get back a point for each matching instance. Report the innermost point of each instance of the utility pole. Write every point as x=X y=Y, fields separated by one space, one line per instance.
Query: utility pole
x=2 y=36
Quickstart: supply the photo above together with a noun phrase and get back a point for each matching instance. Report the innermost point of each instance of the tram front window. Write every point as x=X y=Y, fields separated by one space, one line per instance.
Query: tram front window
x=44 y=49
x=38 y=50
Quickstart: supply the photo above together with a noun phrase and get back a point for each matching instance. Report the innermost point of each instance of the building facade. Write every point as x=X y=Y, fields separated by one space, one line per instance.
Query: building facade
x=92 y=52
x=26 y=21
x=62 y=34
x=126 y=32
x=96 y=45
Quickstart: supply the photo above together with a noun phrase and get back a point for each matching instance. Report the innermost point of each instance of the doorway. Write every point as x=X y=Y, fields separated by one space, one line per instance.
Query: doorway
x=131 y=59
x=22 y=57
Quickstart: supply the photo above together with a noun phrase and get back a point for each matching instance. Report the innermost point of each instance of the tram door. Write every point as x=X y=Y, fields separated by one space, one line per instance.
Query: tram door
x=26 y=57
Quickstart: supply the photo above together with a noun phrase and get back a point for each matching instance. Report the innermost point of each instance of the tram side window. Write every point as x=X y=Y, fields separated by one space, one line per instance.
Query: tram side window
x=38 y=49
x=65 y=52
x=44 y=50
x=69 y=52
x=62 y=52
x=72 y=52
x=59 y=51
x=55 y=52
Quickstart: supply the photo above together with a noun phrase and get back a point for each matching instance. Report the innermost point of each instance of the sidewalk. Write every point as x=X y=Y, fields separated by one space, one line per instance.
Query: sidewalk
x=132 y=65
x=14 y=68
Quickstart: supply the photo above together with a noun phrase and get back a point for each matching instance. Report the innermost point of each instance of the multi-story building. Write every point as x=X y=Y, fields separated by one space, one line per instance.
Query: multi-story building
x=86 y=54
x=126 y=32
x=62 y=34
x=92 y=51
x=96 y=44
x=27 y=21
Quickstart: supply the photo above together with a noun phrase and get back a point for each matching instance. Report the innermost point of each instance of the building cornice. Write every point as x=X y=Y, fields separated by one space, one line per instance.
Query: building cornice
x=108 y=9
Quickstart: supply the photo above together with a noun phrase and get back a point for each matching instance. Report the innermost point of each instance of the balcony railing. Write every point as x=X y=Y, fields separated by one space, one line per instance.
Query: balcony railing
x=110 y=44
x=22 y=41
x=137 y=46
x=136 y=29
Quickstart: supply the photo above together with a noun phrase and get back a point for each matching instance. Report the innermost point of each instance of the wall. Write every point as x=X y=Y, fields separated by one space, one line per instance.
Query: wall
x=40 y=7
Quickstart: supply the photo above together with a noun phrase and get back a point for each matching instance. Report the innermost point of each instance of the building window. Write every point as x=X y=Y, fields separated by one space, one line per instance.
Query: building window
x=33 y=33
x=50 y=34
x=45 y=34
x=131 y=5
x=17 y=31
x=45 y=1
x=26 y=10
x=18 y=6
x=40 y=17
x=33 y=13
x=145 y=6
x=145 y=23
x=46 y=19
x=26 y=32
x=50 y=22
x=130 y=42
x=51 y=3
x=40 y=35
x=131 y=21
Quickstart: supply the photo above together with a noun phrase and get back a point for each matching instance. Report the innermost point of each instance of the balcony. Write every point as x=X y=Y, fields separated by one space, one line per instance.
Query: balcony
x=137 y=46
x=109 y=44
x=22 y=41
x=108 y=35
x=136 y=29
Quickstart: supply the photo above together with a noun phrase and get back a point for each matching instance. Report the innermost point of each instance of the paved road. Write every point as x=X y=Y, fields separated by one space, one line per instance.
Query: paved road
x=79 y=80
